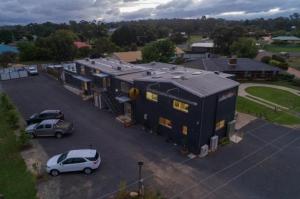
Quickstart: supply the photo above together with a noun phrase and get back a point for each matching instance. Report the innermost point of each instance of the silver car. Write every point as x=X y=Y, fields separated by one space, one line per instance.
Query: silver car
x=53 y=127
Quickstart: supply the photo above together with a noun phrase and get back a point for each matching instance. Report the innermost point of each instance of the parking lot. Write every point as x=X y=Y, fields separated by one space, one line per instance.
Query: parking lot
x=264 y=165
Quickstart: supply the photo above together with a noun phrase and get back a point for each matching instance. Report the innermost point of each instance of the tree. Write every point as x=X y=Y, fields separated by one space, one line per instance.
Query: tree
x=6 y=36
x=178 y=38
x=124 y=36
x=27 y=50
x=161 y=51
x=223 y=38
x=61 y=44
x=104 y=45
x=6 y=58
x=244 y=47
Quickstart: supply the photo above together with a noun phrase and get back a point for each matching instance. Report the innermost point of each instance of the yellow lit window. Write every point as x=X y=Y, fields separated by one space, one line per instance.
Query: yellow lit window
x=165 y=122
x=220 y=125
x=180 y=106
x=184 y=130
x=152 y=96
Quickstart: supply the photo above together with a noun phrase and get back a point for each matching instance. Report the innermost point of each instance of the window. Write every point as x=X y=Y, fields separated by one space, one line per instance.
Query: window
x=48 y=126
x=94 y=158
x=40 y=127
x=184 y=130
x=82 y=70
x=124 y=87
x=68 y=161
x=220 y=125
x=165 y=122
x=151 y=96
x=78 y=160
x=180 y=106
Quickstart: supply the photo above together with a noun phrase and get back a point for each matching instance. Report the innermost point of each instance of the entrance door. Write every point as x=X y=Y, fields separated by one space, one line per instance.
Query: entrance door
x=104 y=85
x=96 y=99
x=127 y=109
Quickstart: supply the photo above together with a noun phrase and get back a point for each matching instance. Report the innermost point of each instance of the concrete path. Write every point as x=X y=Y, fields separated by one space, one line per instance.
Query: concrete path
x=243 y=93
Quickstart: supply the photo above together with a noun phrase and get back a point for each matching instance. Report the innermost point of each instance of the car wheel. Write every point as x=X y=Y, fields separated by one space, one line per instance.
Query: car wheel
x=87 y=171
x=33 y=135
x=54 y=172
x=58 y=135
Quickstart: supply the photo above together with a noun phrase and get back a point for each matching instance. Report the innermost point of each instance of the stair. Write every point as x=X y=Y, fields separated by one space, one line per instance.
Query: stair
x=111 y=103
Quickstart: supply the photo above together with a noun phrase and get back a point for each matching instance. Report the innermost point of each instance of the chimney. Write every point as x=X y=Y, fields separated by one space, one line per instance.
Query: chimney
x=232 y=61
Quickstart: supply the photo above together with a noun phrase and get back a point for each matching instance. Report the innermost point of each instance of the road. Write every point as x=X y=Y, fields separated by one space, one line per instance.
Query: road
x=264 y=165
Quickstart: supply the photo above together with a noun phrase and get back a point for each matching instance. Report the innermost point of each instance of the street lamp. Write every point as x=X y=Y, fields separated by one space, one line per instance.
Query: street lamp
x=140 y=164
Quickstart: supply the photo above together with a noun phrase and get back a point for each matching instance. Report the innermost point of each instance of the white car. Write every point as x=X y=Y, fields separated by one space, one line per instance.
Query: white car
x=32 y=70
x=85 y=160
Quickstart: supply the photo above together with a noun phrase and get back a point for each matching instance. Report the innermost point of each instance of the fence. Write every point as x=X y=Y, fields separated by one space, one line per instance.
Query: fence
x=12 y=73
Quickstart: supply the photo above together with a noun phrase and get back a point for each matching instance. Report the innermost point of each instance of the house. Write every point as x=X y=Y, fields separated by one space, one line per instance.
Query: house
x=206 y=46
x=80 y=44
x=129 y=57
x=288 y=39
x=136 y=56
x=241 y=68
x=186 y=106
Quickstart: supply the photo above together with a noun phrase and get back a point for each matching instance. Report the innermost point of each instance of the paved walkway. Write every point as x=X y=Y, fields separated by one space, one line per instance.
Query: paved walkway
x=243 y=93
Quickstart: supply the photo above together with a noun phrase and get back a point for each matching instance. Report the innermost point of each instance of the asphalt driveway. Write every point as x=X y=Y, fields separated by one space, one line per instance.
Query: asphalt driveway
x=264 y=165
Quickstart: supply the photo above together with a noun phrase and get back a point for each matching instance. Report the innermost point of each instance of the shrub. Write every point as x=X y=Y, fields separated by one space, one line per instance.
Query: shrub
x=296 y=81
x=266 y=59
x=279 y=64
x=278 y=58
x=24 y=139
x=286 y=76
x=5 y=104
x=12 y=119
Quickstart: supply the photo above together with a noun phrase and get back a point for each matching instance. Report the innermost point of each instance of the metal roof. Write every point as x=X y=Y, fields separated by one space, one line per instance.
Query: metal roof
x=203 y=45
x=286 y=38
x=81 y=78
x=82 y=153
x=221 y=64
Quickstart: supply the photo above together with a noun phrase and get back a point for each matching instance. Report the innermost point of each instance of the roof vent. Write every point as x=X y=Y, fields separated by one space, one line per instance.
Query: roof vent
x=176 y=77
x=174 y=68
x=153 y=63
x=232 y=61
x=93 y=62
x=217 y=72
x=87 y=59
x=197 y=73
x=119 y=68
x=148 y=73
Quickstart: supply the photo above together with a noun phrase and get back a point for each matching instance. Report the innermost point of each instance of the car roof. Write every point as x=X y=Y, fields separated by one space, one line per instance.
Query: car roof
x=82 y=153
x=51 y=111
x=51 y=121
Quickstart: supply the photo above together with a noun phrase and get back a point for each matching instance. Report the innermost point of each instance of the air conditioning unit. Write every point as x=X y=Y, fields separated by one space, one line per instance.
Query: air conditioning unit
x=214 y=143
x=204 y=151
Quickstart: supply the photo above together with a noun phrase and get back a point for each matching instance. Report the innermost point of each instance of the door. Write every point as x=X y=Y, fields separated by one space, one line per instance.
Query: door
x=127 y=109
x=40 y=130
x=48 y=130
x=96 y=99
x=104 y=85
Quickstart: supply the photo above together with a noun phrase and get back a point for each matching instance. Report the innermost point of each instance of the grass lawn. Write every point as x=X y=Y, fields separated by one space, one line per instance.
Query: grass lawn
x=282 y=48
x=277 y=96
x=195 y=38
x=15 y=181
x=246 y=106
x=294 y=62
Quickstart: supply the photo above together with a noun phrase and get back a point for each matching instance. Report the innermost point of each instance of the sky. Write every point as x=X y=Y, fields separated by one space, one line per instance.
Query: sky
x=38 y=11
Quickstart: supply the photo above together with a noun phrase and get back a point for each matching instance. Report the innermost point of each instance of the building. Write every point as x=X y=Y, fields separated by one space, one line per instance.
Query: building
x=7 y=48
x=288 y=39
x=186 y=106
x=241 y=68
x=135 y=57
x=203 y=47
x=80 y=44
x=129 y=57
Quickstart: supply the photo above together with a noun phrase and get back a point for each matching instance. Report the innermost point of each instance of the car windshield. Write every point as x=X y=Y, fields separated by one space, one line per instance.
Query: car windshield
x=62 y=157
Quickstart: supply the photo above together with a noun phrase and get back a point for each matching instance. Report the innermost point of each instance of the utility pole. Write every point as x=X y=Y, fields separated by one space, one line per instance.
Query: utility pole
x=141 y=187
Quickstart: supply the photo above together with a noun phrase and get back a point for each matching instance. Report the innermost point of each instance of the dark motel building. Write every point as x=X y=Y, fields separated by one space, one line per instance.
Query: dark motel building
x=187 y=106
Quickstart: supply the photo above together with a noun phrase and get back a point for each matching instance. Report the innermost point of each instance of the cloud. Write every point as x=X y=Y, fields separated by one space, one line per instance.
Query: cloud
x=37 y=11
